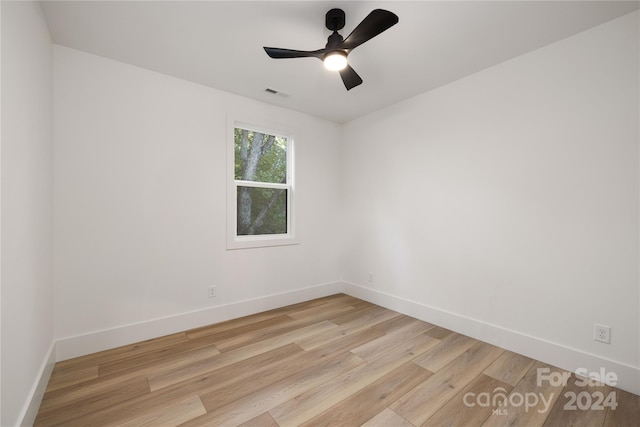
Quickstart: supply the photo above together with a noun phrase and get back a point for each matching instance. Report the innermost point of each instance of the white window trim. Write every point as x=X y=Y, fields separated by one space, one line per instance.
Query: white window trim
x=244 y=242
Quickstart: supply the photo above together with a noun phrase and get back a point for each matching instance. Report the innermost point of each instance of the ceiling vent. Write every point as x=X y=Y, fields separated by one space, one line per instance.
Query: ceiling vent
x=276 y=92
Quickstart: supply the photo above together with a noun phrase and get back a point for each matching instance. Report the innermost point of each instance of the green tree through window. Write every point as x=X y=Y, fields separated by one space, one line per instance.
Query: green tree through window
x=261 y=177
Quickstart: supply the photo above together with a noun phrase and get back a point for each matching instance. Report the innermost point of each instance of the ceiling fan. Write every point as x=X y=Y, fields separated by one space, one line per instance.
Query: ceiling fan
x=334 y=55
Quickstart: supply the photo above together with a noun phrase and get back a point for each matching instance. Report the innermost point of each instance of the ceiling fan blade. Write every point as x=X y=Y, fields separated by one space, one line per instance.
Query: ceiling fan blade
x=376 y=22
x=278 y=53
x=350 y=78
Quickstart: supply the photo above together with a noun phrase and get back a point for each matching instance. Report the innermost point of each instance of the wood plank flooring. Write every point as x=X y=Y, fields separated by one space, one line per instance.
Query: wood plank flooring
x=334 y=361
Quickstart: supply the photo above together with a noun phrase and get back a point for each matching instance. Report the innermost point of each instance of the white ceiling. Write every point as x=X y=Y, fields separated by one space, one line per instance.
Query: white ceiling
x=219 y=43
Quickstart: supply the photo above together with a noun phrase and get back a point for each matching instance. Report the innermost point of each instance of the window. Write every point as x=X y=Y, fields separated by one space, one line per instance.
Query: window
x=260 y=213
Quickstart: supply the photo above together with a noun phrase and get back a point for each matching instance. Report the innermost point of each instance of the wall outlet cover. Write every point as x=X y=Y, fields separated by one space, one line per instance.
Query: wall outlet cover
x=602 y=333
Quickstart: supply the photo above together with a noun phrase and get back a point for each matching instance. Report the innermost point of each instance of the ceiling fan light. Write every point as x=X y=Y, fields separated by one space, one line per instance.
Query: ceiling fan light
x=335 y=61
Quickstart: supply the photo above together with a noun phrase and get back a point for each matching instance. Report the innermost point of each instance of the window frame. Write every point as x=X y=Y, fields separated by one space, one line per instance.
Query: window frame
x=235 y=241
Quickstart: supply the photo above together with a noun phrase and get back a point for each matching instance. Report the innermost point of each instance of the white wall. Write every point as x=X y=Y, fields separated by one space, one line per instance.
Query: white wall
x=140 y=191
x=27 y=316
x=506 y=204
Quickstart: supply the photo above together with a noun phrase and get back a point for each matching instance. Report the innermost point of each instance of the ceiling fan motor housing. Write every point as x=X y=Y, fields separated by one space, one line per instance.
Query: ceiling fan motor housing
x=334 y=41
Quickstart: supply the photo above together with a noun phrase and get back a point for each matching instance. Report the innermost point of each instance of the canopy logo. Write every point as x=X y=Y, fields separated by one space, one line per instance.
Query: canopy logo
x=584 y=400
x=499 y=400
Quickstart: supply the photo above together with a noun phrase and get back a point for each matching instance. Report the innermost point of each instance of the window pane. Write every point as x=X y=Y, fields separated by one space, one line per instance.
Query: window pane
x=261 y=211
x=260 y=157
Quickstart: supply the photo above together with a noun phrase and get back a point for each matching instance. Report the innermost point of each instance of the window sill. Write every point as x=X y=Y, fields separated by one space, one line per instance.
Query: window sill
x=248 y=242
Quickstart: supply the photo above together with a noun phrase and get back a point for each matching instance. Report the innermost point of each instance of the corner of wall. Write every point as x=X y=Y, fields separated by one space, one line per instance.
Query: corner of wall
x=28 y=415
x=545 y=351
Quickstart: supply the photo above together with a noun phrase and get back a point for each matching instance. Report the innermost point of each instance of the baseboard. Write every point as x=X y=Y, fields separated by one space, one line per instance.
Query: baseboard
x=554 y=354
x=30 y=410
x=81 y=345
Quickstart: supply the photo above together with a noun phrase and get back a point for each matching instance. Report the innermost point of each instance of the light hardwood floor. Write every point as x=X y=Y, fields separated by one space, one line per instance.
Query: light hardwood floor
x=335 y=361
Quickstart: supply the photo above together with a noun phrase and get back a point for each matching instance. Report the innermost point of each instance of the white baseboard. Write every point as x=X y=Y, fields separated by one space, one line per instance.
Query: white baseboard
x=80 y=345
x=552 y=353
x=548 y=352
x=30 y=409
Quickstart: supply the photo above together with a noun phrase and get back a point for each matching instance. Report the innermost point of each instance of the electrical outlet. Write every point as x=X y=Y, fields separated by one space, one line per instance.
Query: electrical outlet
x=602 y=333
x=212 y=291
x=371 y=277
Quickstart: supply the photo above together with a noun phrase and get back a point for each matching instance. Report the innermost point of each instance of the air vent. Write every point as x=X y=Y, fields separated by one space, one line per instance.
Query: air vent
x=276 y=92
